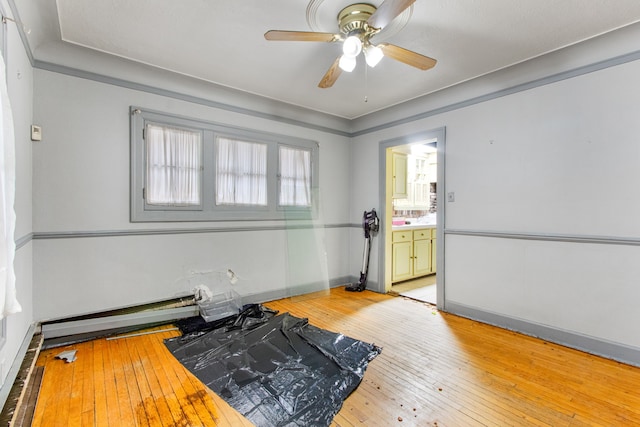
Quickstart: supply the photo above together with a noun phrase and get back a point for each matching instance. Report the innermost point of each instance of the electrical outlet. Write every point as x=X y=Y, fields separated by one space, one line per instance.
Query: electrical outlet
x=451 y=197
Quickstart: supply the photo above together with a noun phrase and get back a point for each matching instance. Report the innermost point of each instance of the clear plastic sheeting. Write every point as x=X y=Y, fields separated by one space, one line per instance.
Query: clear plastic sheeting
x=276 y=370
x=214 y=293
x=307 y=267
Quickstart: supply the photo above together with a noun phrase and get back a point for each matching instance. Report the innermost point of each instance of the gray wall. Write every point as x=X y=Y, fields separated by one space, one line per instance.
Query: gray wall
x=91 y=258
x=543 y=234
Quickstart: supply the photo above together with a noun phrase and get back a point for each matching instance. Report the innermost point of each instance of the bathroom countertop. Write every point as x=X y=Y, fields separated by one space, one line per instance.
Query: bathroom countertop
x=412 y=226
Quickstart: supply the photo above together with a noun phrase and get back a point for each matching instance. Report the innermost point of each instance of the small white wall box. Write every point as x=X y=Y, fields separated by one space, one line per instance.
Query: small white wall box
x=36 y=133
x=221 y=305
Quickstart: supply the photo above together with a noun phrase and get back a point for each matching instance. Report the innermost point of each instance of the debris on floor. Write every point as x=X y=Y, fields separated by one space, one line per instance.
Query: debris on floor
x=276 y=369
x=68 y=356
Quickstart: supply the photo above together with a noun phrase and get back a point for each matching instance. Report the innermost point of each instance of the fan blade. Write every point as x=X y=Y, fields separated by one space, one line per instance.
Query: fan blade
x=387 y=12
x=331 y=75
x=407 y=56
x=301 y=36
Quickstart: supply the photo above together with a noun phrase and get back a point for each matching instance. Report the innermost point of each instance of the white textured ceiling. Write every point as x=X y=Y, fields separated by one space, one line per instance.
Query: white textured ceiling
x=222 y=41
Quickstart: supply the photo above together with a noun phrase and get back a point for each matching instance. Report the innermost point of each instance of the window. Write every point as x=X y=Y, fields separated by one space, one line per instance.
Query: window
x=173 y=166
x=184 y=169
x=241 y=172
x=295 y=177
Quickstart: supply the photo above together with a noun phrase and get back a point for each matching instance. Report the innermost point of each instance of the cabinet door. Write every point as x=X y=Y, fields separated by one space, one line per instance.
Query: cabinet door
x=399 y=176
x=421 y=257
x=402 y=268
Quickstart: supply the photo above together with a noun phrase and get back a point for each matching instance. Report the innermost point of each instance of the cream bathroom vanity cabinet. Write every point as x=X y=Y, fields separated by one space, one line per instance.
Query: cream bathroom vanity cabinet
x=413 y=252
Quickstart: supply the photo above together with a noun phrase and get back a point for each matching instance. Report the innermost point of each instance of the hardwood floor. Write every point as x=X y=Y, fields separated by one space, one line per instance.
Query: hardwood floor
x=126 y=382
x=409 y=285
x=435 y=369
x=422 y=289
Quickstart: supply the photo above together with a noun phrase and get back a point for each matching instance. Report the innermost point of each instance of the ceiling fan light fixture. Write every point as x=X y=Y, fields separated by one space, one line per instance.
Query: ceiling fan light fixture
x=347 y=63
x=373 y=55
x=352 y=46
x=357 y=24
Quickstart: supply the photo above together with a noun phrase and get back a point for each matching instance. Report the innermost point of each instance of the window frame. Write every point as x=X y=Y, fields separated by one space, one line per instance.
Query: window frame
x=140 y=211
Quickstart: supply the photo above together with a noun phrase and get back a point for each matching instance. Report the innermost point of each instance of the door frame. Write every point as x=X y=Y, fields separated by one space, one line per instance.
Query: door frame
x=384 y=253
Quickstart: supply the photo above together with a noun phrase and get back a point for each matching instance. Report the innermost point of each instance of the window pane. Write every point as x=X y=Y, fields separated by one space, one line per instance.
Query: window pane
x=174 y=161
x=241 y=172
x=295 y=177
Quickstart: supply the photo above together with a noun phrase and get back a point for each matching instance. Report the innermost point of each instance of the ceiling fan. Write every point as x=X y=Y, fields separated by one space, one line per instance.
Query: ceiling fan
x=357 y=24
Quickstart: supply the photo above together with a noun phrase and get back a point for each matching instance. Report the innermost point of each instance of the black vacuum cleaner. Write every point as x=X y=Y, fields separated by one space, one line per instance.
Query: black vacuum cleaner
x=370 y=224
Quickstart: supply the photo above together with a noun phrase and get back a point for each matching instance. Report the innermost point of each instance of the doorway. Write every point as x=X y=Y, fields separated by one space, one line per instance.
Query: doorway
x=412 y=254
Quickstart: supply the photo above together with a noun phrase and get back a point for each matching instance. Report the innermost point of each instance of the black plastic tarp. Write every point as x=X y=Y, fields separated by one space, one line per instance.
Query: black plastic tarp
x=276 y=370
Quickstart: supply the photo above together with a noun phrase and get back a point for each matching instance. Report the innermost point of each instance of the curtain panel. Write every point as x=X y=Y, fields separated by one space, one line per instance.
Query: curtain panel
x=174 y=166
x=8 y=300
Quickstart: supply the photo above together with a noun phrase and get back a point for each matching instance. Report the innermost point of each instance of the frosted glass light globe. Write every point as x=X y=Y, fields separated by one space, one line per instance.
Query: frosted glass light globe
x=347 y=63
x=352 y=46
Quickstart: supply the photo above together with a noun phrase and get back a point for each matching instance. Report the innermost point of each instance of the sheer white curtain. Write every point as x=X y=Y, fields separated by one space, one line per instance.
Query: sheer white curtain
x=241 y=172
x=174 y=169
x=8 y=301
x=295 y=177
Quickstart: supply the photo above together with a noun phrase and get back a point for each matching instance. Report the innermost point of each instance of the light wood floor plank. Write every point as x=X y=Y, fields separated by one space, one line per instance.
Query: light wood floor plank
x=147 y=405
x=157 y=398
x=114 y=409
x=99 y=384
x=133 y=389
x=435 y=370
x=75 y=406
x=200 y=402
x=48 y=394
x=88 y=395
x=119 y=366
x=127 y=389
x=64 y=388
x=173 y=394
